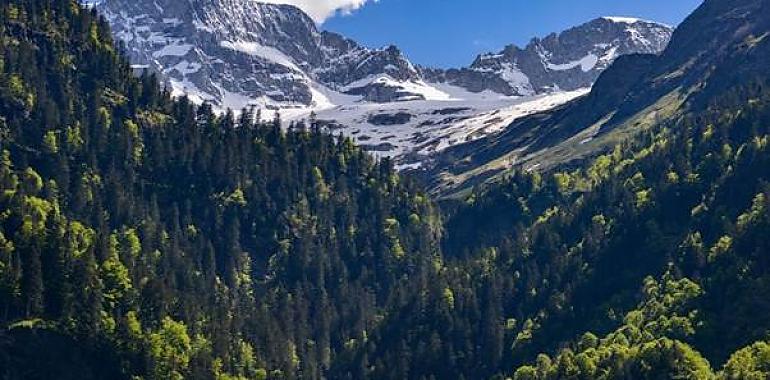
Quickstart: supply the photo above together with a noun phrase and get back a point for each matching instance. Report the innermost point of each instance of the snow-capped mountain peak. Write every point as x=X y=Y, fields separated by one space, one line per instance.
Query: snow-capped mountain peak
x=566 y=61
x=632 y=20
x=238 y=53
x=233 y=53
x=622 y=20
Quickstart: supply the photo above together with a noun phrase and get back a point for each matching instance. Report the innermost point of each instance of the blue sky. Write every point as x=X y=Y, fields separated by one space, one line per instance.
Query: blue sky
x=450 y=33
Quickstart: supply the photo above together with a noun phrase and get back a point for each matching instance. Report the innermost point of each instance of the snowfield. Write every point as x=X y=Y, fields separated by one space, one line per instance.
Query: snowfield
x=411 y=131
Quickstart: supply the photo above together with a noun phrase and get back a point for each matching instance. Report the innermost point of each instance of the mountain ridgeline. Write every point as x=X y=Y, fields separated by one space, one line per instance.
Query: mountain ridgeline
x=228 y=52
x=146 y=237
x=234 y=52
x=566 y=61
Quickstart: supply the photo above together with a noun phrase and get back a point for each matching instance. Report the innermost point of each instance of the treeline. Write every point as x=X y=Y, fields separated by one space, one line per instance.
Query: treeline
x=143 y=236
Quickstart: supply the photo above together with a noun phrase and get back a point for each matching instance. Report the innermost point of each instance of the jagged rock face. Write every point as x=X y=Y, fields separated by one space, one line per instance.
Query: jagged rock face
x=238 y=52
x=234 y=53
x=567 y=61
x=348 y=62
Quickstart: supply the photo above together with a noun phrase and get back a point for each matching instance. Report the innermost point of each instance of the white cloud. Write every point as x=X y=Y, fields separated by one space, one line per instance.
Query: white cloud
x=320 y=10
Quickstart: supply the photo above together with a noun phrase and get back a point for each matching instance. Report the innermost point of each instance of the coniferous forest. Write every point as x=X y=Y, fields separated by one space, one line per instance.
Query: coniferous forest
x=145 y=237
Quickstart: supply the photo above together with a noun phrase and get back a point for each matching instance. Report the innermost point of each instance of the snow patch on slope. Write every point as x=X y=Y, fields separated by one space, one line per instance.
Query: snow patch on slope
x=586 y=64
x=517 y=79
x=177 y=50
x=265 y=52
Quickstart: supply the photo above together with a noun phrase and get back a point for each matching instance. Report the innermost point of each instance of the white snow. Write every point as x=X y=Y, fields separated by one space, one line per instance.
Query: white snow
x=517 y=79
x=418 y=88
x=509 y=72
x=172 y=21
x=623 y=20
x=265 y=52
x=435 y=124
x=460 y=94
x=173 y=50
x=451 y=115
x=230 y=100
x=633 y=20
x=410 y=166
x=586 y=64
x=423 y=89
x=185 y=87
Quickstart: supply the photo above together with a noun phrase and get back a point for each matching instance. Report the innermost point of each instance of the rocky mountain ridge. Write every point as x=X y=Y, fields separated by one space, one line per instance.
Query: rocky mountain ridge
x=567 y=61
x=235 y=53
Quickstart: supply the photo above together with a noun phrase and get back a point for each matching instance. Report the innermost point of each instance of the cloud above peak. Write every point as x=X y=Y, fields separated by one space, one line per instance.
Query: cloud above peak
x=320 y=10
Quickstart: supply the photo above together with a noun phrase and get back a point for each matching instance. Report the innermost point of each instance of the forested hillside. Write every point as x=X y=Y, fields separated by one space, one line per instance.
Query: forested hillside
x=143 y=237
x=647 y=261
x=681 y=213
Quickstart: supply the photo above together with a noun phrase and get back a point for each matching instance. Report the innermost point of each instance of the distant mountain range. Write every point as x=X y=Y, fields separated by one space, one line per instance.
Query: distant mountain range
x=567 y=61
x=236 y=52
x=240 y=53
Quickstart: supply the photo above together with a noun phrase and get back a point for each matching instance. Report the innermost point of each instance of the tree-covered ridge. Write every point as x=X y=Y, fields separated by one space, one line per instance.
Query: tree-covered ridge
x=536 y=261
x=142 y=236
x=691 y=198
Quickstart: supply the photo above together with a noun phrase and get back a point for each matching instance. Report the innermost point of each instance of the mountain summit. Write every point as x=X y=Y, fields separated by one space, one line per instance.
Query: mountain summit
x=567 y=61
x=234 y=53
